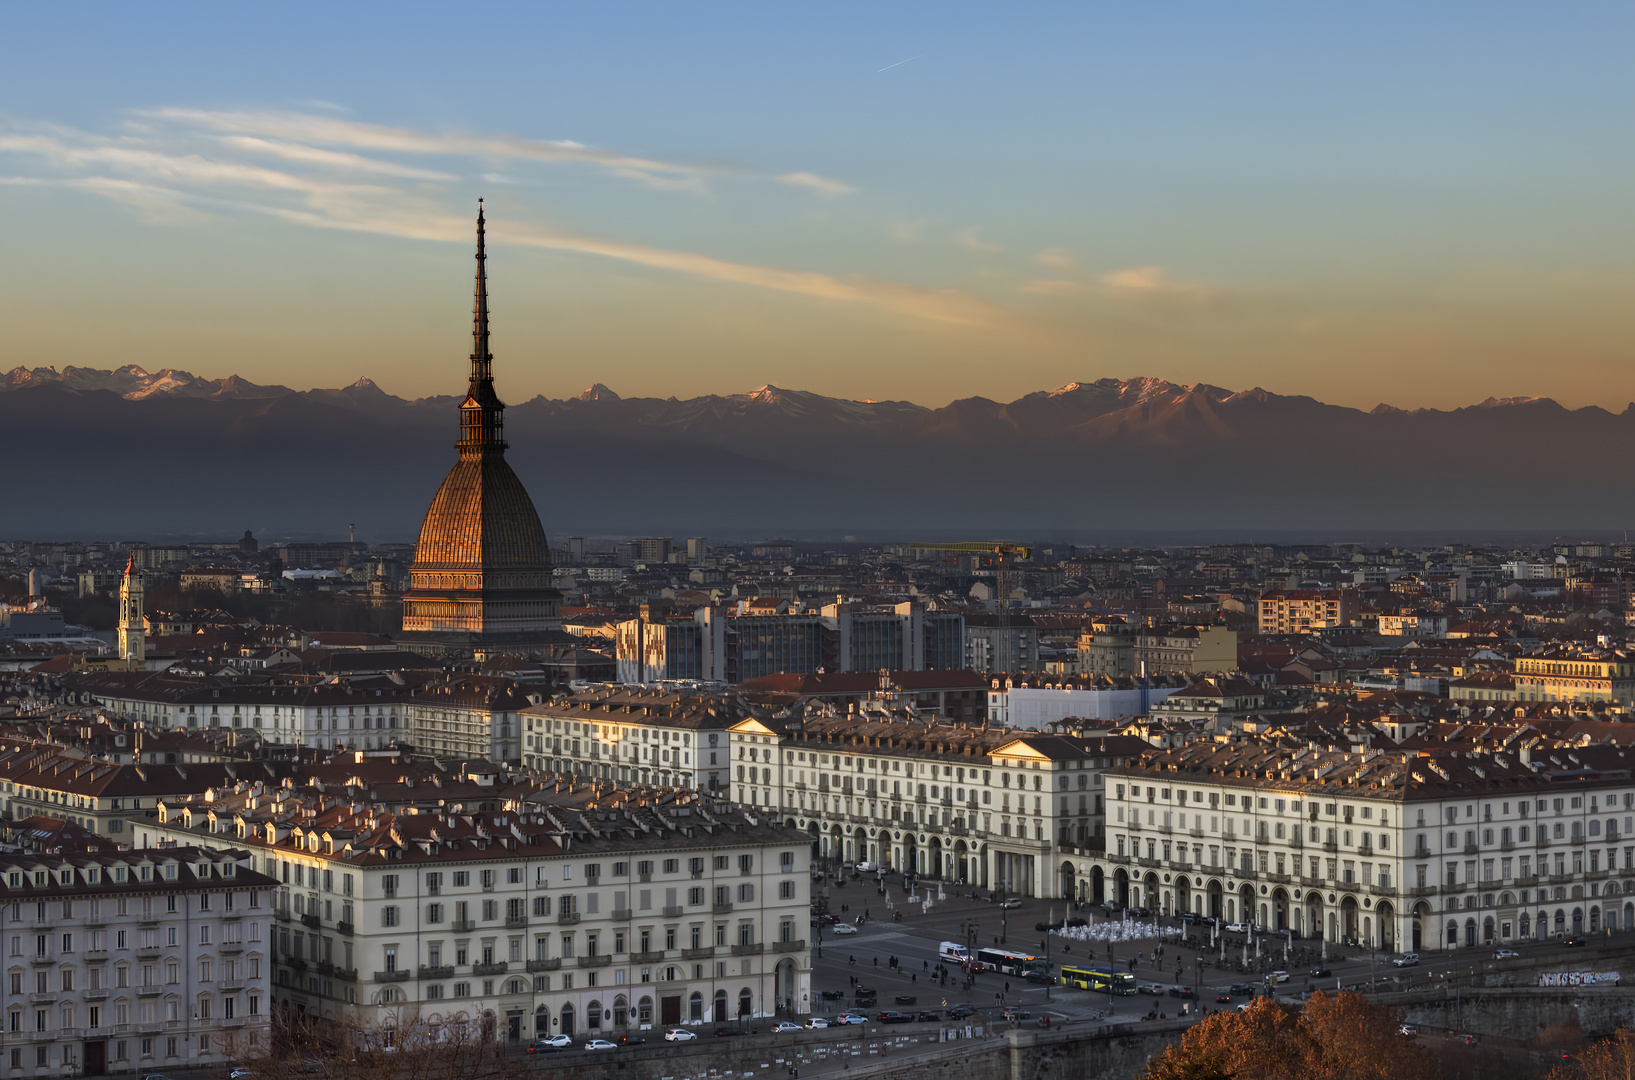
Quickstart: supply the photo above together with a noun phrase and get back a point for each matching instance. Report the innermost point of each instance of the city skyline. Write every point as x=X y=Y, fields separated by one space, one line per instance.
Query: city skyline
x=1408 y=207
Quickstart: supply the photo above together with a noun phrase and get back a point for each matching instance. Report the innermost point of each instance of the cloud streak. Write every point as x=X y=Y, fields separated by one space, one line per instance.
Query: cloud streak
x=354 y=190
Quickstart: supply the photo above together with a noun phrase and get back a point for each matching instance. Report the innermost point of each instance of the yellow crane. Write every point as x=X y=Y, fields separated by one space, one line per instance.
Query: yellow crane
x=1004 y=553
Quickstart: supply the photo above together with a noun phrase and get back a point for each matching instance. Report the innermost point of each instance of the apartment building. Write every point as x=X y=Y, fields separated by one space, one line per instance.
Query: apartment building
x=38 y=778
x=582 y=910
x=1301 y=611
x=633 y=735
x=1393 y=850
x=986 y=806
x=136 y=961
x=468 y=716
x=717 y=645
x=1575 y=674
x=323 y=716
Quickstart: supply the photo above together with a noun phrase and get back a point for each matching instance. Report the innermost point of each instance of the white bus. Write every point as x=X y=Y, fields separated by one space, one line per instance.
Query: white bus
x=953 y=952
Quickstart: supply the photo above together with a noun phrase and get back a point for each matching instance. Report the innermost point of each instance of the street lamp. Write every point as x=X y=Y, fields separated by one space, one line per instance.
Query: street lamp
x=1050 y=917
x=1112 y=976
x=1004 y=918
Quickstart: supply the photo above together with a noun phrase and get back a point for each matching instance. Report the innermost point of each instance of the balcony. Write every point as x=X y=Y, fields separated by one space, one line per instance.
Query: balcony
x=344 y=928
x=149 y=991
x=499 y=968
x=230 y=947
x=621 y=914
x=1526 y=880
x=544 y=965
x=311 y=921
x=42 y=999
x=599 y=960
x=647 y=957
x=789 y=946
x=1471 y=848
x=748 y=950
x=463 y=926
x=96 y=956
x=1422 y=853
x=40 y=961
x=721 y=907
x=673 y=911
x=698 y=954
x=425 y=971
x=96 y=994
x=516 y=923
x=229 y=985
x=281 y=914
x=567 y=918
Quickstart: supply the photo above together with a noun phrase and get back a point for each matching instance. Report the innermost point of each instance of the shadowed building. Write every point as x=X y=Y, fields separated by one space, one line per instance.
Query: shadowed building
x=481 y=576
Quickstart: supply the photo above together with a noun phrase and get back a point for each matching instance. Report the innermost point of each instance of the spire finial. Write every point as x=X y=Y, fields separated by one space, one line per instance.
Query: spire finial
x=480 y=424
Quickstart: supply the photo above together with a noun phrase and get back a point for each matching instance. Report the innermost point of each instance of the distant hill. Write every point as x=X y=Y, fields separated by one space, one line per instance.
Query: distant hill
x=127 y=453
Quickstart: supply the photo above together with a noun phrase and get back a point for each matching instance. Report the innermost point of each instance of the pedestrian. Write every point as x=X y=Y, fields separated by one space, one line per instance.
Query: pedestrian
x=1007 y=986
x=913 y=978
x=925 y=965
x=876 y=961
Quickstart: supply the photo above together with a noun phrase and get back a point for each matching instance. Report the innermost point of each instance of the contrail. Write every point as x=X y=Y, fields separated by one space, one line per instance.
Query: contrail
x=900 y=63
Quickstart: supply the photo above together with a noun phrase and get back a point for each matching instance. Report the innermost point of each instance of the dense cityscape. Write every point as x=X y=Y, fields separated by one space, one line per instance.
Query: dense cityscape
x=816 y=542
x=587 y=795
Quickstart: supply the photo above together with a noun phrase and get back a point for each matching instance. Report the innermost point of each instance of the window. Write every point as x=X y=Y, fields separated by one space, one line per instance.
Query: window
x=786 y=890
x=388 y=915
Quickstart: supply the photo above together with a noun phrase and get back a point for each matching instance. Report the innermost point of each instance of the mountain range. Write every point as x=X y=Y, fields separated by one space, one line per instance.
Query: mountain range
x=128 y=453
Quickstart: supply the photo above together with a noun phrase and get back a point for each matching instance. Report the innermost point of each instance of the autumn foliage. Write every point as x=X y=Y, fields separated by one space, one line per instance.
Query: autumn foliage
x=1609 y=1059
x=1333 y=1037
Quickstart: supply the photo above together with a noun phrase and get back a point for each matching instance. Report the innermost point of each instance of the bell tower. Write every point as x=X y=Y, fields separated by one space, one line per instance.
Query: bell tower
x=133 y=640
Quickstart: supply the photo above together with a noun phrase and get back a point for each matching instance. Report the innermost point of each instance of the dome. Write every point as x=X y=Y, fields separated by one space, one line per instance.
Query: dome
x=482 y=519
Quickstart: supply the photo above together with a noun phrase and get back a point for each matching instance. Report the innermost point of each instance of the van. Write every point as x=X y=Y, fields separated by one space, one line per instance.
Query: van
x=953 y=952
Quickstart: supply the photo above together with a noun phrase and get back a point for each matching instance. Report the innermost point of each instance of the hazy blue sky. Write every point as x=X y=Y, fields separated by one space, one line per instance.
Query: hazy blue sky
x=1417 y=203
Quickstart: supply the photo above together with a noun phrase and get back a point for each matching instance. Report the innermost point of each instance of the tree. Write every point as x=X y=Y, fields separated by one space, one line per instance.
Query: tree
x=1609 y=1059
x=453 y=1047
x=1339 y=1037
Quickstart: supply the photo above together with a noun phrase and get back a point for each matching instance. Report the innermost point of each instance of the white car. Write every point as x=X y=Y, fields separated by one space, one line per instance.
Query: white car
x=787 y=1026
x=843 y=928
x=1506 y=954
x=240 y=1073
x=1406 y=960
x=1011 y=901
x=1155 y=989
x=852 y=1018
x=1237 y=928
x=817 y=1022
x=600 y=1044
x=1280 y=976
x=679 y=1035
x=864 y=867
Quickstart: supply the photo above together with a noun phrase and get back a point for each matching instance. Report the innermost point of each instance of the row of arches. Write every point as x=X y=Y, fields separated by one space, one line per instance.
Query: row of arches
x=932 y=858
x=596 y=1017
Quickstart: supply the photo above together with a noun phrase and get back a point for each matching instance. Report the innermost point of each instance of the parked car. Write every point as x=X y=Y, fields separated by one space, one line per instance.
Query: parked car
x=787 y=1026
x=892 y=1016
x=864 y=867
x=1011 y=902
x=1506 y=954
x=600 y=1044
x=817 y=1022
x=928 y=1017
x=851 y=1018
x=673 y=1035
x=1237 y=928
x=843 y=928
x=1409 y=959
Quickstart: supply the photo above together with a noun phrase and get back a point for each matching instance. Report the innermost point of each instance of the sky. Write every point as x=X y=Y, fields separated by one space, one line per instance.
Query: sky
x=1424 y=204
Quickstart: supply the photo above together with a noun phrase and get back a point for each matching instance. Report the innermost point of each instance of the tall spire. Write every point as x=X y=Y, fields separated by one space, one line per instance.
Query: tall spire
x=481 y=413
x=481 y=358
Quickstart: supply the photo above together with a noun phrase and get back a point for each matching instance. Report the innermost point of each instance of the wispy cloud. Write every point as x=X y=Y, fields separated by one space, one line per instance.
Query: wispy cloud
x=1154 y=282
x=829 y=189
x=971 y=239
x=276 y=172
x=1057 y=259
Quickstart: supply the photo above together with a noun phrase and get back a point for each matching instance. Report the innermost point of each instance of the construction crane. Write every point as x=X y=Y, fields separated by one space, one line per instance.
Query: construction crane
x=1003 y=551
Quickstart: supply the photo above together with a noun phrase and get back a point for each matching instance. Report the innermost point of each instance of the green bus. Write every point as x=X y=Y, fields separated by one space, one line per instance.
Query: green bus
x=1091 y=979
